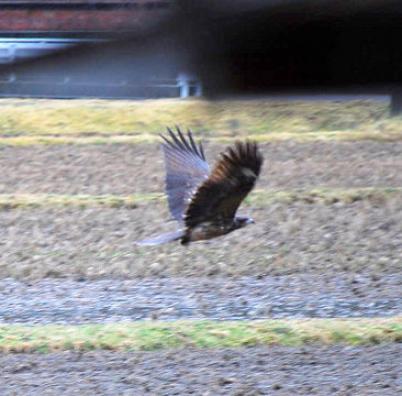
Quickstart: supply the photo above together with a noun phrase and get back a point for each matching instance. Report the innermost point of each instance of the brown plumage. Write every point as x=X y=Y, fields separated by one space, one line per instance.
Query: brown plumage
x=205 y=202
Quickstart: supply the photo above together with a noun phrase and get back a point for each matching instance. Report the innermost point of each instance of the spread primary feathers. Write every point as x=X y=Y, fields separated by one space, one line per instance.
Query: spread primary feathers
x=205 y=202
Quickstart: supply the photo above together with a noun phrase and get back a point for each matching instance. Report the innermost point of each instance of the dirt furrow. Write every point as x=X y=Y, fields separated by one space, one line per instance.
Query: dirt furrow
x=286 y=239
x=127 y=169
x=310 y=370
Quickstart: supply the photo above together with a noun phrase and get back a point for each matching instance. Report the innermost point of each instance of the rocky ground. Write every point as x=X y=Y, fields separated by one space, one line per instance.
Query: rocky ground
x=110 y=300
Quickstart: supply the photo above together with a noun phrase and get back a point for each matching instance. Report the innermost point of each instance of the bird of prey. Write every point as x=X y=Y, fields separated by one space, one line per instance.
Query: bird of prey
x=205 y=202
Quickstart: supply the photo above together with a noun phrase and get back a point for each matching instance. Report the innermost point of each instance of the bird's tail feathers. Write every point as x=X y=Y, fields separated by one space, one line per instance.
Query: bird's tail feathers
x=163 y=238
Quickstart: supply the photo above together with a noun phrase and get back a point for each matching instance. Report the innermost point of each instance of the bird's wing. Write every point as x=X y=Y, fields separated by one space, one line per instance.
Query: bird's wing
x=230 y=181
x=186 y=169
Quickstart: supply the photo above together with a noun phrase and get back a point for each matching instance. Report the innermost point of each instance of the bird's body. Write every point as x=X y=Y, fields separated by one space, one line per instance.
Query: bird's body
x=205 y=202
x=213 y=229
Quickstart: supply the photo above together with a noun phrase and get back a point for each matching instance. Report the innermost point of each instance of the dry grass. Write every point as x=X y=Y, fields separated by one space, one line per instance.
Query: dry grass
x=198 y=334
x=26 y=141
x=360 y=237
x=259 y=197
x=27 y=121
x=324 y=195
x=29 y=201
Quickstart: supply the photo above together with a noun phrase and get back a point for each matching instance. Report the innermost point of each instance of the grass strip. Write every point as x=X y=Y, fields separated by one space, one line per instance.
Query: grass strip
x=46 y=140
x=324 y=195
x=152 y=336
x=86 y=117
x=146 y=138
x=258 y=197
x=30 y=201
x=25 y=122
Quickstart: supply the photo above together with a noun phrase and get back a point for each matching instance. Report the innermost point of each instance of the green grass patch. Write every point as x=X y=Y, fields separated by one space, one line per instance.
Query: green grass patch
x=35 y=121
x=152 y=336
x=258 y=197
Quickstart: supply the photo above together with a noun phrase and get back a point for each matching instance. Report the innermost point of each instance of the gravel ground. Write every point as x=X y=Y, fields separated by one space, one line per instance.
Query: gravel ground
x=296 y=296
x=311 y=370
x=127 y=169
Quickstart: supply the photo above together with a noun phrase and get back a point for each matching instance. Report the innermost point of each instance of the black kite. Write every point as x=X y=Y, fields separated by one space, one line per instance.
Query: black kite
x=205 y=202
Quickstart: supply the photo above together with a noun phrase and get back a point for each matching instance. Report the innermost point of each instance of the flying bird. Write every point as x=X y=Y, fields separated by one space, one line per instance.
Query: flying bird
x=205 y=202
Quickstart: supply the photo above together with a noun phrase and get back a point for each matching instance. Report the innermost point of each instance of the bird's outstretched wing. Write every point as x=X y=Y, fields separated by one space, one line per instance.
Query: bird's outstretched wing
x=230 y=181
x=186 y=169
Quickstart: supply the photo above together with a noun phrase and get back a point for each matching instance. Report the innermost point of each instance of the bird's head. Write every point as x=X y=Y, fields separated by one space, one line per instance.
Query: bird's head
x=242 y=221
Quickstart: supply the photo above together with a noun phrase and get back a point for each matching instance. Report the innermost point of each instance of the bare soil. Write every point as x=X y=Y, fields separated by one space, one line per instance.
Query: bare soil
x=310 y=370
x=97 y=242
x=300 y=259
x=302 y=237
x=128 y=169
x=286 y=239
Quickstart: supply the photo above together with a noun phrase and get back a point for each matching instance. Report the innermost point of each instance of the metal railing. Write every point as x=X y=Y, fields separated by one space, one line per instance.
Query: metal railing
x=64 y=84
x=68 y=87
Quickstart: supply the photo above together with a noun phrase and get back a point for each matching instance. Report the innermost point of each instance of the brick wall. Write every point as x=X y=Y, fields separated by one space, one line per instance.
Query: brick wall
x=81 y=16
